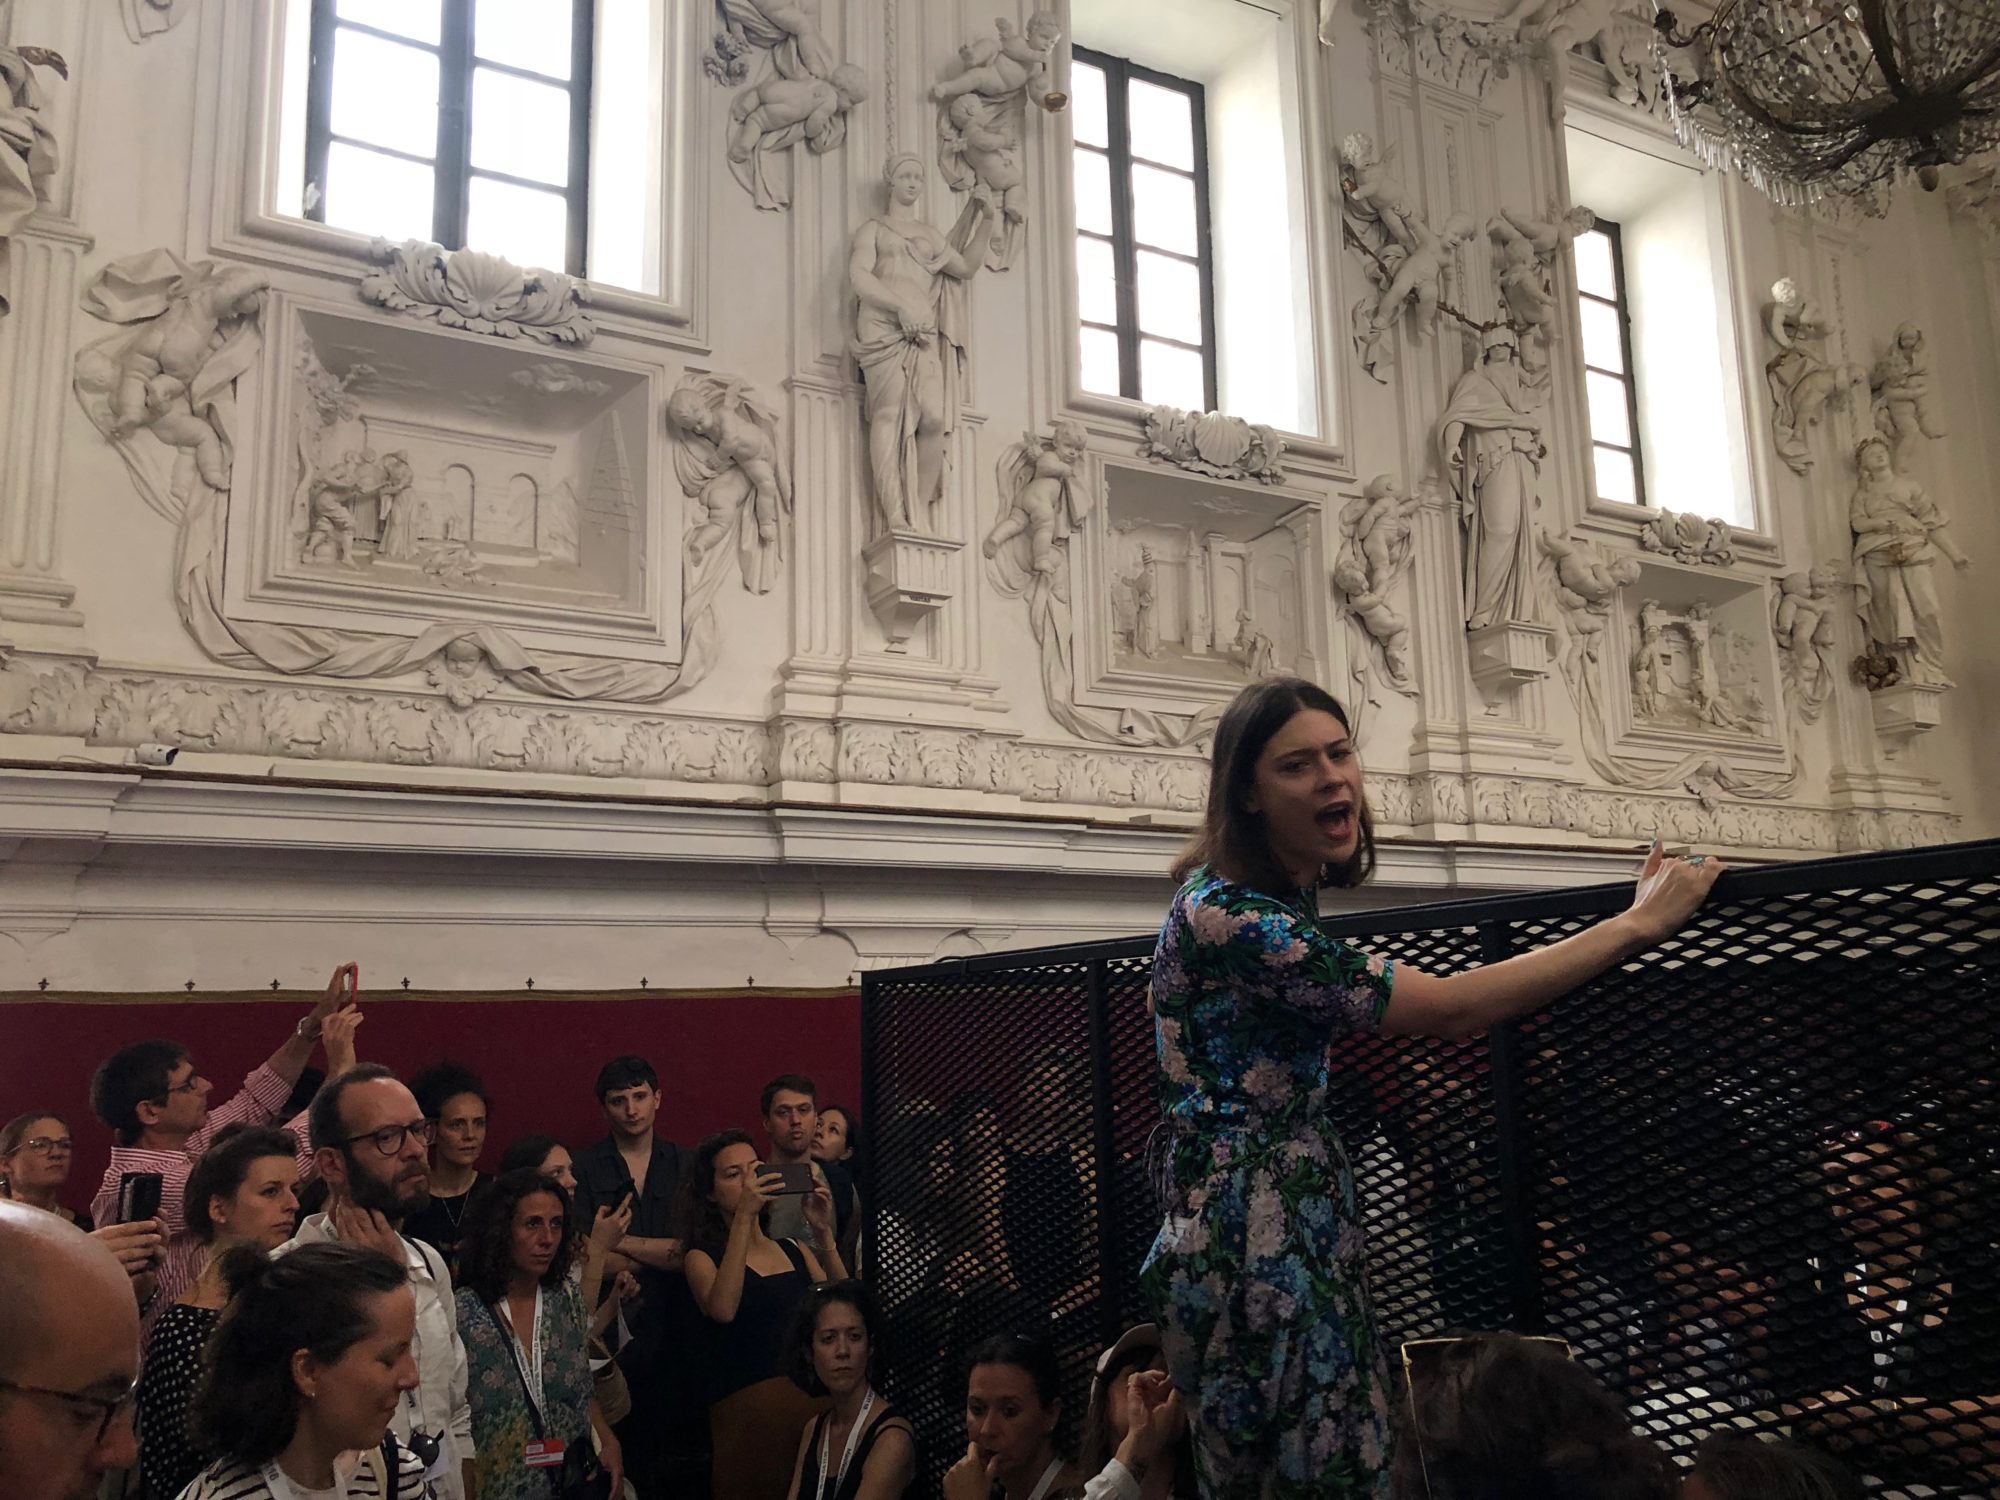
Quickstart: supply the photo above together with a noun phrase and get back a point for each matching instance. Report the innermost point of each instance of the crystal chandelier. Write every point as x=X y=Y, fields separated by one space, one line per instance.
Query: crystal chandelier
x=1815 y=97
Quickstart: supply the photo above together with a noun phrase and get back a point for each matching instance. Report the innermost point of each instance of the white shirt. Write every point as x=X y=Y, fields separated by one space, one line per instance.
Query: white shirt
x=442 y=1407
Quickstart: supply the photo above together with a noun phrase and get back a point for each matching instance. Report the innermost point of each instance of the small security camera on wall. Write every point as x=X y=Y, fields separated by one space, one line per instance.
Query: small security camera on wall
x=154 y=755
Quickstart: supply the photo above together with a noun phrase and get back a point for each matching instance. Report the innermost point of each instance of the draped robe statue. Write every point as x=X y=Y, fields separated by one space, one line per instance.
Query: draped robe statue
x=1490 y=441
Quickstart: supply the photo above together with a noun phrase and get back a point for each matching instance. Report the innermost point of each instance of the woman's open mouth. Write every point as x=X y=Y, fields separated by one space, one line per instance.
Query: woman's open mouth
x=1336 y=822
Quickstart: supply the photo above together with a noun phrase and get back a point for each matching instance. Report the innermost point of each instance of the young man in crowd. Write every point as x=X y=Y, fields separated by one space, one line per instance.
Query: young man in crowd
x=633 y=1165
x=371 y=1143
x=69 y=1359
x=790 y=1106
x=156 y=1104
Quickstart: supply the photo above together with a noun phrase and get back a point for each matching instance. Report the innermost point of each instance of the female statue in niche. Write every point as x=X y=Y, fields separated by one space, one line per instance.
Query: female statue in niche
x=1490 y=438
x=910 y=331
x=1898 y=536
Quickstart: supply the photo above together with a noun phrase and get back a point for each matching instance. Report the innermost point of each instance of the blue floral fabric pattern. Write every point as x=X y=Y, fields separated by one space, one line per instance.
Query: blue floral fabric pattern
x=1257 y=1276
x=501 y=1423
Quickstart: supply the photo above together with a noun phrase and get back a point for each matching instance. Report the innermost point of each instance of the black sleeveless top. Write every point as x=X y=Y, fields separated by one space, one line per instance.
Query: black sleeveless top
x=809 y=1476
x=751 y=1346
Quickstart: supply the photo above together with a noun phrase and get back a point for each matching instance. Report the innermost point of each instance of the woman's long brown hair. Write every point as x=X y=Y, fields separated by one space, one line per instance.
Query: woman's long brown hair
x=1232 y=839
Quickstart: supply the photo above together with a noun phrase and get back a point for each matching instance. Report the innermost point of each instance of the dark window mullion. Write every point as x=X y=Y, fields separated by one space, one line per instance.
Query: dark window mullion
x=1204 y=245
x=454 y=146
x=582 y=59
x=1118 y=128
x=380 y=150
x=1630 y=380
x=319 y=108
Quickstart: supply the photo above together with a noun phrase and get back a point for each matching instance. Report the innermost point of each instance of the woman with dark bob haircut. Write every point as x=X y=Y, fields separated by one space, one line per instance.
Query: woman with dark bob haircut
x=527 y=1338
x=861 y=1448
x=1256 y=1278
x=305 y=1370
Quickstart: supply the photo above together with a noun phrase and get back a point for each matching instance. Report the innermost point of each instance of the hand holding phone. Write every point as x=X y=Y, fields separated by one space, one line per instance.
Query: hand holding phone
x=139 y=1196
x=794 y=1178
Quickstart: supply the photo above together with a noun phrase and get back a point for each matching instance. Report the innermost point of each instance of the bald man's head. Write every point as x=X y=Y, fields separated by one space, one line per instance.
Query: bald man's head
x=69 y=1335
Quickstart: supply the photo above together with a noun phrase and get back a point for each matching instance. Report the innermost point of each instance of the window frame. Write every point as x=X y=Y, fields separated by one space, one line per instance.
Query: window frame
x=451 y=165
x=1621 y=306
x=1118 y=73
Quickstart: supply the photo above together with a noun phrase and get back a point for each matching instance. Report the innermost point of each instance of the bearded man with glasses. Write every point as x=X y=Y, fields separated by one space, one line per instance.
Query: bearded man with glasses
x=69 y=1359
x=372 y=1143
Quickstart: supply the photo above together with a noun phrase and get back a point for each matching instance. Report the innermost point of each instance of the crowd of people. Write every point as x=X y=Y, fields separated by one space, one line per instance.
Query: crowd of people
x=343 y=1301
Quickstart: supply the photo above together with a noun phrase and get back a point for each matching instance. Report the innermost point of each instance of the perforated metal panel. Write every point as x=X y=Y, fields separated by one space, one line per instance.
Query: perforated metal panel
x=1753 y=1169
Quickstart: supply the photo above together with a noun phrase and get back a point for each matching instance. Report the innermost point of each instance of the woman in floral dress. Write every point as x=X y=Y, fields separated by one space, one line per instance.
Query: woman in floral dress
x=1257 y=1276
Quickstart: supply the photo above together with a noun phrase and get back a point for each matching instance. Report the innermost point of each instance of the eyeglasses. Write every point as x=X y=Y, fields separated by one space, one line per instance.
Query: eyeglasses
x=1427 y=1353
x=192 y=1086
x=389 y=1139
x=46 y=1145
x=108 y=1408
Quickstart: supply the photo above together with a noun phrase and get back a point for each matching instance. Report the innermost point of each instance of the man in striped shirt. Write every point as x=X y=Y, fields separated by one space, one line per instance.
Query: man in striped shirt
x=156 y=1104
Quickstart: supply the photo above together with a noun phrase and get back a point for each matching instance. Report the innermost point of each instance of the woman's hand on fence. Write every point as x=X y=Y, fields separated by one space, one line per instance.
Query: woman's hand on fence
x=1669 y=892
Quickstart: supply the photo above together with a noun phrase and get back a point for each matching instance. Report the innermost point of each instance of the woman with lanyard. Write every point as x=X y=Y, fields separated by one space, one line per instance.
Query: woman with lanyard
x=305 y=1371
x=1256 y=1276
x=526 y=1348
x=860 y=1449
x=1013 y=1406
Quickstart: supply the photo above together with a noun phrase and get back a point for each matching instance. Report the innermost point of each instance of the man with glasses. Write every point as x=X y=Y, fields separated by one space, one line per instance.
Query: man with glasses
x=69 y=1359
x=156 y=1103
x=371 y=1143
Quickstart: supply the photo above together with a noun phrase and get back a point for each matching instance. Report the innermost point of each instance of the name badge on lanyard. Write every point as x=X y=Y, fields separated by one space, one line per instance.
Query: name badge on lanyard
x=545 y=1453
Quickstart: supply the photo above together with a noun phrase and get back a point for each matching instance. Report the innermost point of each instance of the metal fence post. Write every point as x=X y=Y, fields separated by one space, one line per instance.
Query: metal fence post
x=1523 y=1238
x=1105 y=1145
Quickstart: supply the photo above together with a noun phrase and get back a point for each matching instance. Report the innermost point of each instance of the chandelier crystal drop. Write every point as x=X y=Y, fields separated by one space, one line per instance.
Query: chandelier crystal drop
x=1811 y=98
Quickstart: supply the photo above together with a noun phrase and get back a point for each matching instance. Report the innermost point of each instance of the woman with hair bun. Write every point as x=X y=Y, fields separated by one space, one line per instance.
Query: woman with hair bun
x=305 y=1371
x=1257 y=1277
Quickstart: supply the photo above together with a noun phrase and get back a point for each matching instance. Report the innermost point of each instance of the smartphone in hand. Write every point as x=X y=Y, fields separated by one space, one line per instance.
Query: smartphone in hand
x=795 y=1178
x=139 y=1196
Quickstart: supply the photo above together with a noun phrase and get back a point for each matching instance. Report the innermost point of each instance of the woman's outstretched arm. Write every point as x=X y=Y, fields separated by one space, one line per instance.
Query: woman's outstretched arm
x=1458 y=1005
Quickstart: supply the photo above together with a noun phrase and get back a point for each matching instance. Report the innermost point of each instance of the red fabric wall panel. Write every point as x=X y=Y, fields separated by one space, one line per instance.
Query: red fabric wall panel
x=539 y=1057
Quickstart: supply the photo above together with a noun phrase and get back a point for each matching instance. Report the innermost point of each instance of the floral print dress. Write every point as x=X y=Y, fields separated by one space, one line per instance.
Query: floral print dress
x=1257 y=1276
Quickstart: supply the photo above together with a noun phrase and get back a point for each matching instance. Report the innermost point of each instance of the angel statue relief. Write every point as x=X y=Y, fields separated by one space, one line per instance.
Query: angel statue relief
x=1526 y=250
x=1413 y=264
x=728 y=455
x=981 y=117
x=1375 y=547
x=1038 y=487
x=912 y=321
x=1802 y=382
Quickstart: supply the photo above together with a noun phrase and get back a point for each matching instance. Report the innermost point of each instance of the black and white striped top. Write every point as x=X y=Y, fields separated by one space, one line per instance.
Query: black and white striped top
x=233 y=1479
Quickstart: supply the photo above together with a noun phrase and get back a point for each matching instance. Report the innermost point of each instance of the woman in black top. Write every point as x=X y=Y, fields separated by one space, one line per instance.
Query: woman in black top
x=452 y=1096
x=243 y=1192
x=748 y=1287
x=860 y=1448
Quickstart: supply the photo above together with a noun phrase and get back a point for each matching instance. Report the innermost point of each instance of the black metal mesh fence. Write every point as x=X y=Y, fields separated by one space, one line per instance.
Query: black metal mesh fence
x=1752 y=1176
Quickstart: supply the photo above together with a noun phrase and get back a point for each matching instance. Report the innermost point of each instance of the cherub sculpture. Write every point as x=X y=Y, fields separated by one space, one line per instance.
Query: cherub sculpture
x=981 y=116
x=1550 y=28
x=1801 y=380
x=195 y=333
x=978 y=150
x=1421 y=278
x=1802 y=625
x=773 y=116
x=786 y=30
x=729 y=455
x=1037 y=478
x=1901 y=381
x=1005 y=65
x=1372 y=197
x=1375 y=549
x=1526 y=249
x=1587 y=582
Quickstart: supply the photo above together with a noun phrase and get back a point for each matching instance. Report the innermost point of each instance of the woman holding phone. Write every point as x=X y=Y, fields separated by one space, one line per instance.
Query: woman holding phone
x=1257 y=1276
x=748 y=1287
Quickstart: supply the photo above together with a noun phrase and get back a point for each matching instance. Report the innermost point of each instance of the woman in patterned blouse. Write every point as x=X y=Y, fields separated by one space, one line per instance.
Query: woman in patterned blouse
x=1256 y=1276
x=522 y=1317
